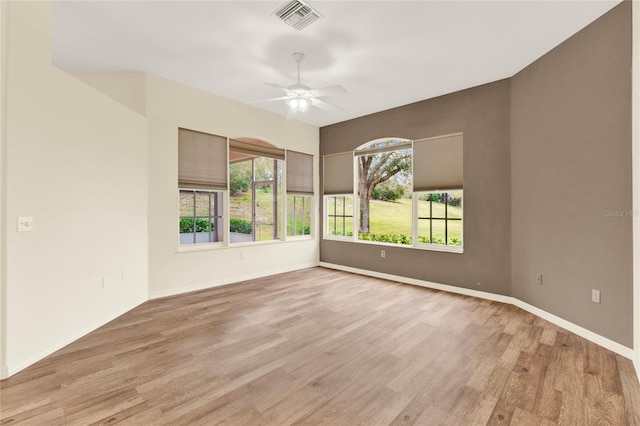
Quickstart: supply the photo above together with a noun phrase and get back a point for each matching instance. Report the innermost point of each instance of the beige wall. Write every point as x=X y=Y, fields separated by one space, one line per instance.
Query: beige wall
x=482 y=114
x=546 y=155
x=76 y=161
x=93 y=158
x=171 y=105
x=571 y=168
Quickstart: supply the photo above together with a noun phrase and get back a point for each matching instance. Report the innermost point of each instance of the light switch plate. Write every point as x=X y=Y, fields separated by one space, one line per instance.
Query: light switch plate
x=25 y=223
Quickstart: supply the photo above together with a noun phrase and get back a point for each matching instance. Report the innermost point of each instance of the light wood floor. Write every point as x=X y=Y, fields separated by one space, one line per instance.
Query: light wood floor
x=325 y=347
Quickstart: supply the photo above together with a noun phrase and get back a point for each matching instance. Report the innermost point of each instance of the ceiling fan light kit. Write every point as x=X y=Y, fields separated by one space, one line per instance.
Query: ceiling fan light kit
x=299 y=97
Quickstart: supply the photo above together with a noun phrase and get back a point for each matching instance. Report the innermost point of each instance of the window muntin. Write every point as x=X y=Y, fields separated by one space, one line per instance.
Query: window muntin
x=298 y=215
x=439 y=218
x=200 y=217
x=339 y=215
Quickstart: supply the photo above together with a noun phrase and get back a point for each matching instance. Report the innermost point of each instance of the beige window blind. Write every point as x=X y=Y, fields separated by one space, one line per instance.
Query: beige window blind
x=253 y=149
x=299 y=173
x=338 y=173
x=202 y=160
x=437 y=163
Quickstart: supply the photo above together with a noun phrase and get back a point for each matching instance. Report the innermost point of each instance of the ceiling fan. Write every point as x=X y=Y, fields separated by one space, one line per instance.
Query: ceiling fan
x=300 y=96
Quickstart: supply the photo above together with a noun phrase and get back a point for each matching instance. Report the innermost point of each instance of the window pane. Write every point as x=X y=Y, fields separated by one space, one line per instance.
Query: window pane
x=197 y=227
x=439 y=218
x=256 y=192
x=385 y=209
x=265 y=214
x=299 y=212
x=202 y=203
x=186 y=203
x=339 y=213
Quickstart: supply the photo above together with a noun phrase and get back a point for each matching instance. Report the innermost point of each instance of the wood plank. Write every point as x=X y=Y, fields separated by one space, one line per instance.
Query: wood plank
x=321 y=346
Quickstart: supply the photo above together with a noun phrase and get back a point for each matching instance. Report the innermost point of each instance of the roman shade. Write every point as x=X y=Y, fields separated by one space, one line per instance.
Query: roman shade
x=338 y=173
x=437 y=163
x=202 y=160
x=299 y=173
x=256 y=150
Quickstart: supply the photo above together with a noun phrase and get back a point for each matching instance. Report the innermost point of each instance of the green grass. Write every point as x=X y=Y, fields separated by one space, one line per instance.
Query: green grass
x=395 y=218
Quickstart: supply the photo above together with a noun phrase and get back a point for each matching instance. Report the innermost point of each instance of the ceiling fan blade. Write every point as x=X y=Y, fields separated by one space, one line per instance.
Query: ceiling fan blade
x=324 y=105
x=277 y=86
x=330 y=90
x=281 y=98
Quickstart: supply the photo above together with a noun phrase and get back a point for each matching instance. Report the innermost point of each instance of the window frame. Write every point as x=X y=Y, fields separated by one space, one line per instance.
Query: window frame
x=353 y=217
x=211 y=217
x=430 y=246
x=415 y=243
x=290 y=208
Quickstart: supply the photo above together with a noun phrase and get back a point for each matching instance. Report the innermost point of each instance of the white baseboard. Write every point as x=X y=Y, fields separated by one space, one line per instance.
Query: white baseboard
x=232 y=280
x=10 y=370
x=574 y=328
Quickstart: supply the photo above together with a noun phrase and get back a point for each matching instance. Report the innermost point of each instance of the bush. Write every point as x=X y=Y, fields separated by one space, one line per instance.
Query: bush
x=186 y=225
x=240 y=177
x=240 y=226
x=386 y=238
x=388 y=191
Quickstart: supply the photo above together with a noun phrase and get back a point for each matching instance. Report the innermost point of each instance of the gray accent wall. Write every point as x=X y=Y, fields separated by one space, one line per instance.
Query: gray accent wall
x=482 y=114
x=571 y=179
x=547 y=181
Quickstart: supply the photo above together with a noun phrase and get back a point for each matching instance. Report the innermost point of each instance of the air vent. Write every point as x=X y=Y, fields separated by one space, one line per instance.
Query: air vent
x=297 y=14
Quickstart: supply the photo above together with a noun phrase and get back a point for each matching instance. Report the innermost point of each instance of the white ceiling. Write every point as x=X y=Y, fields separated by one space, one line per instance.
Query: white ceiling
x=385 y=53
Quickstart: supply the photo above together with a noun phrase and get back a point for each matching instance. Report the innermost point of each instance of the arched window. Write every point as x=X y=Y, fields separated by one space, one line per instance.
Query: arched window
x=397 y=191
x=255 y=186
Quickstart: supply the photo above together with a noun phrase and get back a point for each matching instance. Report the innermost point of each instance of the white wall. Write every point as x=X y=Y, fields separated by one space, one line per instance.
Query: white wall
x=76 y=161
x=171 y=105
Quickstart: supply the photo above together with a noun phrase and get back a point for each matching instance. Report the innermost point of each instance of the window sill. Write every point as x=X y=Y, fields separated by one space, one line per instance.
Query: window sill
x=222 y=246
x=200 y=247
x=424 y=247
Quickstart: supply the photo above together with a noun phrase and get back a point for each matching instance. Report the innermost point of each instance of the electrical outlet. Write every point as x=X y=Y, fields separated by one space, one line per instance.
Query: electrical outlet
x=242 y=255
x=539 y=279
x=25 y=224
x=595 y=295
x=383 y=253
x=105 y=282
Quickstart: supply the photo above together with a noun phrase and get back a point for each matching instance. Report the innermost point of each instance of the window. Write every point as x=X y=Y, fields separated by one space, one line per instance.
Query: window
x=298 y=215
x=406 y=192
x=255 y=183
x=339 y=213
x=200 y=217
x=242 y=180
x=299 y=193
x=439 y=218
x=384 y=191
x=202 y=178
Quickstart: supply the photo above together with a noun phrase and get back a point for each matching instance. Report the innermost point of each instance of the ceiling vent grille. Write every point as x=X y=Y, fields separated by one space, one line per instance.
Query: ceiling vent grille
x=297 y=14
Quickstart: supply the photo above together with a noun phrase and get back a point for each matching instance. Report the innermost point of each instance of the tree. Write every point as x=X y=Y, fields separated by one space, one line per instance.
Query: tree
x=372 y=171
